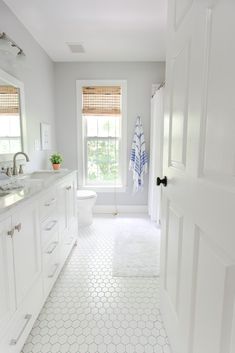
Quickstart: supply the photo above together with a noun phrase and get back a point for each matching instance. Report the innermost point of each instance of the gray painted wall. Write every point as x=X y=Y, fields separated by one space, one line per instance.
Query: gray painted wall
x=139 y=76
x=36 y=71
x=52 y=86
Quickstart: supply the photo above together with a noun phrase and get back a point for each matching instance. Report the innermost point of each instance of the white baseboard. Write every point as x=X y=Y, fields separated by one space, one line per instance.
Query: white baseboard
x=108 y=209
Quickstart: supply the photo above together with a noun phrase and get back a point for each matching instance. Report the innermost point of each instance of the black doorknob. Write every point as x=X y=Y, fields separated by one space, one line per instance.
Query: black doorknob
x=162 y=181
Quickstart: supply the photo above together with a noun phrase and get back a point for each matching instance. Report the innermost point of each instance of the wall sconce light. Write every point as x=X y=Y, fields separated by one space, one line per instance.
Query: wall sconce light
x=11 y=42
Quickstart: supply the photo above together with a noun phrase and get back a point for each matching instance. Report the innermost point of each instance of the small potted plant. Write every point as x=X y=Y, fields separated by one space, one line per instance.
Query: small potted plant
x=56 y=159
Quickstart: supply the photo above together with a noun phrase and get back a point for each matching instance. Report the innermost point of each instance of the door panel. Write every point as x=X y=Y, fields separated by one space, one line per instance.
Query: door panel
x=178 y=123
x=7 y=289
x=173 y=256
x=71 y=203
x=67 y=205
x=61 y=205
x=198 y=223
x=26 y=244
x=219 y=157
x=214 y=287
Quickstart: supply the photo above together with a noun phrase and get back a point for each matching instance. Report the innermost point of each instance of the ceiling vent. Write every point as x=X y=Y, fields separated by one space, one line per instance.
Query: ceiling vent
x=76 y=48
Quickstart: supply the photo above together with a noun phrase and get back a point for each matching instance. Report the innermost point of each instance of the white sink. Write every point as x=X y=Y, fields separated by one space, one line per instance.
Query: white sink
x=41 y=175
x=45 y=177
x=10 y=185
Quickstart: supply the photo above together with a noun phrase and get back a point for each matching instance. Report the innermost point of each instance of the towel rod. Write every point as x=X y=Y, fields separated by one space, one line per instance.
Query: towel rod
x=159 y=87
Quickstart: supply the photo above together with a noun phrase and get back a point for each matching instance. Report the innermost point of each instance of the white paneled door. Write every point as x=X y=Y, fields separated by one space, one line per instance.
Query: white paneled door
x=198 y=216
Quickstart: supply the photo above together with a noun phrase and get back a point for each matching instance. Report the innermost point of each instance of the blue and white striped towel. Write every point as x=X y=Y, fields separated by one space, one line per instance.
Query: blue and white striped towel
x=139 y=159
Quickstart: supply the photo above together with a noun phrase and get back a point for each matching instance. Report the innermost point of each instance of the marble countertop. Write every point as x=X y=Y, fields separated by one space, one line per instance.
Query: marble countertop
x=31 y=184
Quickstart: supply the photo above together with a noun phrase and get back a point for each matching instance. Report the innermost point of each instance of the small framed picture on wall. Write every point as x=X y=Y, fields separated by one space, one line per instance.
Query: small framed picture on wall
x=45 y=136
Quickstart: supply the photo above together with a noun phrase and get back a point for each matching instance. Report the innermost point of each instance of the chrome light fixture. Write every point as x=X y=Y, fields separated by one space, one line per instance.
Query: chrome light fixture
x=11 y=42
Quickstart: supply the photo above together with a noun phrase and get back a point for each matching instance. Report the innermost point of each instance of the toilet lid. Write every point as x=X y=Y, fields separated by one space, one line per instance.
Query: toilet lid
x=86 y=194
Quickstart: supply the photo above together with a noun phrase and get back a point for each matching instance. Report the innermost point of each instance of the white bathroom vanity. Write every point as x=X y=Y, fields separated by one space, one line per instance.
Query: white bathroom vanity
x=38 y=229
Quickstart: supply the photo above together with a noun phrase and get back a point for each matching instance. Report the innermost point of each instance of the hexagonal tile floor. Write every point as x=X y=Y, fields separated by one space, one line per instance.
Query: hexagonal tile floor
x=89 y=311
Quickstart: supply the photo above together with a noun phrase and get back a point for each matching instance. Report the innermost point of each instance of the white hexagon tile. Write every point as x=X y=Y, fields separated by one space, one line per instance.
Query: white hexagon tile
x=90 y=311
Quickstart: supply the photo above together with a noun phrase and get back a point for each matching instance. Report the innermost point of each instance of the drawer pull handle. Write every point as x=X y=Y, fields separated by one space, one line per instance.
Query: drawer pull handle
x=54 y=271
x=53 y=247
x=69 y=187
x=14 y=341
x=49 y=203
x=18 y=227
x=11 y=232
x=51 y=225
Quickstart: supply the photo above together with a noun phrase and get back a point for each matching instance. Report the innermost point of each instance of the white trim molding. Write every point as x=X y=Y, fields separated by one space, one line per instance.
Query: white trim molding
x=109 y=209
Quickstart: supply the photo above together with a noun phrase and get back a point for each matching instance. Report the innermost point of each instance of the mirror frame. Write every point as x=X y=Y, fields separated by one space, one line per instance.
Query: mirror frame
x=11 y=80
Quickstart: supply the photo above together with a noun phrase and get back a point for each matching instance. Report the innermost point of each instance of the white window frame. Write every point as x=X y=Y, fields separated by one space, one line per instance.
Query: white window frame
x=81 y=136
x=12 y=81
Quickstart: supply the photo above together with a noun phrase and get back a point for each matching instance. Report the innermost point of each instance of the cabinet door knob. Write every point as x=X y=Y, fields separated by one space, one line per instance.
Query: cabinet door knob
x=11 y=232
x=69 y=187
x=18 y=227
x=162 y=181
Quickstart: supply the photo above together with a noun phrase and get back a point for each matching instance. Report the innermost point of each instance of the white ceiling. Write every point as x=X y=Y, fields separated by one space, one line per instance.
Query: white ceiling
x=109 y=30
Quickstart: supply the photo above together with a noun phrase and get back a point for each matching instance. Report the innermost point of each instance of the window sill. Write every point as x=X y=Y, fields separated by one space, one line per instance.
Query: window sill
x=97 y=188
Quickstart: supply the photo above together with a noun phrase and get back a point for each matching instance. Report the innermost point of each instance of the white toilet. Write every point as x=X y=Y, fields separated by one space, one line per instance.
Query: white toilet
x=85 y=202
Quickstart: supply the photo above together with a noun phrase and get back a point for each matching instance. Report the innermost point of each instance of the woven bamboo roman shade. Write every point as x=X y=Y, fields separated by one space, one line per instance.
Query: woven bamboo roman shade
x=9 y=100
x=101 y=100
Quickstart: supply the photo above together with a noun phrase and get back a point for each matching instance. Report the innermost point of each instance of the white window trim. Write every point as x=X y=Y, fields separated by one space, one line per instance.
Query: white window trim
x=80 y=136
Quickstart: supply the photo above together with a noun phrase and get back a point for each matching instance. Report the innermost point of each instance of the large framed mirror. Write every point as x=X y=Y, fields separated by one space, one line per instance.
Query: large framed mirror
x=12 y=117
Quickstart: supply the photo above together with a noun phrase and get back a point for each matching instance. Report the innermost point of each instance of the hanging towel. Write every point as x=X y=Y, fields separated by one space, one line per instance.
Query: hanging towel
x=139 y=159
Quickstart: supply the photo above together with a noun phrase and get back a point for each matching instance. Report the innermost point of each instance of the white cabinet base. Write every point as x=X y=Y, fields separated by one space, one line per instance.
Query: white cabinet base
x=36 y=238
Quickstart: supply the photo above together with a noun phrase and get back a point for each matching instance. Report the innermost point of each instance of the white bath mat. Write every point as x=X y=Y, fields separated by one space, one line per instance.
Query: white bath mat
x=137 y=253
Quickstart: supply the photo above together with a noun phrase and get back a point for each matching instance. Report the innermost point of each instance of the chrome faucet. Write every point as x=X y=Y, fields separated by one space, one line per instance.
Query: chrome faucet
x=15 y=171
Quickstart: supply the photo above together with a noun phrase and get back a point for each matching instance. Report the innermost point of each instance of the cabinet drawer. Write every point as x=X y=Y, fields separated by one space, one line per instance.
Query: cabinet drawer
x=50 y=248
x=51 y=270
x=47 y=205
x=23 y=320
x=48 y=228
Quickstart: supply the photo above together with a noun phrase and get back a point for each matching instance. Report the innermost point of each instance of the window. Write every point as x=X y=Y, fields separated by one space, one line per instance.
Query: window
x=10 y=129
x=103 y=118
